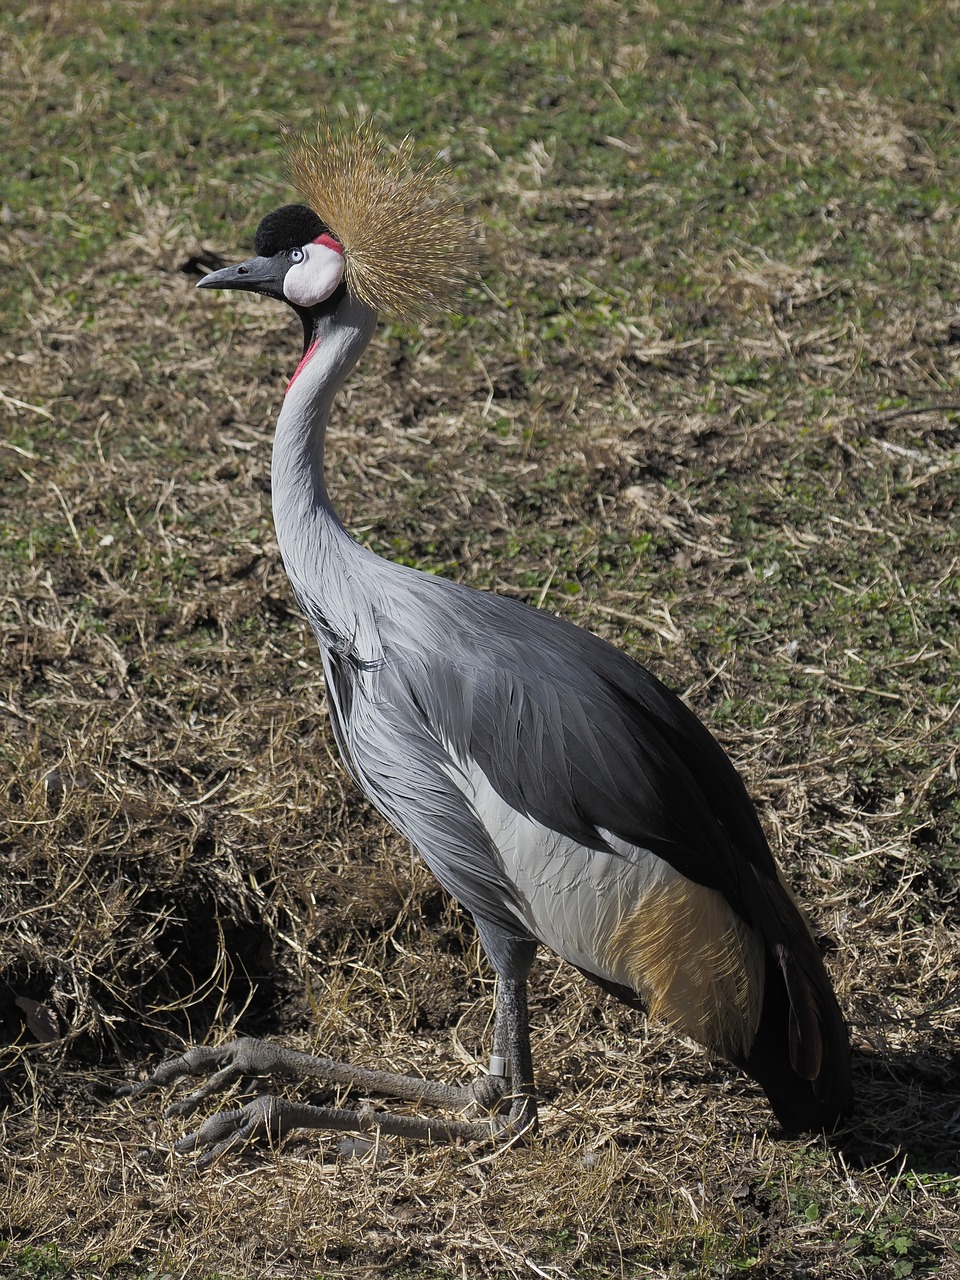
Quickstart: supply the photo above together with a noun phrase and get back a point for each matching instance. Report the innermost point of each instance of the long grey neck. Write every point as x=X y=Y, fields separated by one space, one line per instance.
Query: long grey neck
x=316 y=548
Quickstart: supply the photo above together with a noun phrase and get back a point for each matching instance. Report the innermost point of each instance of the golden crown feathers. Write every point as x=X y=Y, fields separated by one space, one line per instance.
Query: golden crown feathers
x=408 y=248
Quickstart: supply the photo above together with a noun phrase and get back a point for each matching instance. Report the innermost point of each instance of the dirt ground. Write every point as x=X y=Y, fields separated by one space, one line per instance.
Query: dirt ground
x=702 y=401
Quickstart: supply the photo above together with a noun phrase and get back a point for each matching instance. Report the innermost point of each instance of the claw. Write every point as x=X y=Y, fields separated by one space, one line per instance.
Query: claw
x=228 y=1061
x=219 y=1082
x=264 y=1117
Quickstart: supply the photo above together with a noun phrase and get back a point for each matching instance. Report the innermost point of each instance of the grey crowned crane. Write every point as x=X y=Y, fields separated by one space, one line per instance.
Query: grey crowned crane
x=554 y=787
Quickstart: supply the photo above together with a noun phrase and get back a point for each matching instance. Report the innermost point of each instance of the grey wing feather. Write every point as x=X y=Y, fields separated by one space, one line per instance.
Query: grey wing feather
x=578 y=736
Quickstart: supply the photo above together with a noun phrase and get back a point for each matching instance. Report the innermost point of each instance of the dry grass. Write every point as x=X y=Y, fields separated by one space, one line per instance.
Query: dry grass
x=675 y=415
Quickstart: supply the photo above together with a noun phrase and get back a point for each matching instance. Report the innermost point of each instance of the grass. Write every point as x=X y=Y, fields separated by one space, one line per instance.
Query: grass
x=702 y=402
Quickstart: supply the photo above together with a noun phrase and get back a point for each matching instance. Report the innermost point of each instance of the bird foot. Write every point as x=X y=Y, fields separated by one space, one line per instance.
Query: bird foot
x=241 y=1062
x=270 y=1118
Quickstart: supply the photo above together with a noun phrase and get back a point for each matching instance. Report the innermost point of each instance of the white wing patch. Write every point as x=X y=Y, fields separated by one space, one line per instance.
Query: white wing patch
x=630 y=917
x=574 y=898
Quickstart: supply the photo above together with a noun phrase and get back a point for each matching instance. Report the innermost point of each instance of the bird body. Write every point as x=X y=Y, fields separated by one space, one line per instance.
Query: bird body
x=553 y=785
x=558 y=802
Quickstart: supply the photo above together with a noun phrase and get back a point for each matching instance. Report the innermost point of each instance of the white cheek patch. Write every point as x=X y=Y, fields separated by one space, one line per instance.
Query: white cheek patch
x=315 y=278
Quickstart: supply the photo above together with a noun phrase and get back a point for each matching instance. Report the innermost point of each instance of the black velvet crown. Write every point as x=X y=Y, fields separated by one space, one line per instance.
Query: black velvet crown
x=287 y=228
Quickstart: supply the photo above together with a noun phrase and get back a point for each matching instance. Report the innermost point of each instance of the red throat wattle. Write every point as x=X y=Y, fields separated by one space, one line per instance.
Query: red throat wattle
x=306 y=356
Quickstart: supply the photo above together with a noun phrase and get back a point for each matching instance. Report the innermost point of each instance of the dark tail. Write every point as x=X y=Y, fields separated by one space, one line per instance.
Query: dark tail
x=801 y=1053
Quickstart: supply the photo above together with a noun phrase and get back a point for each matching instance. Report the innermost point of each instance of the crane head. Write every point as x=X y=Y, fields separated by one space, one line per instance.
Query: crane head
x=298 y=260
x=408 y=249
x=374 y=220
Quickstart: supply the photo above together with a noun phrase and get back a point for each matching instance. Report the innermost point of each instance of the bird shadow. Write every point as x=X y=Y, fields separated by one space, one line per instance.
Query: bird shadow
x=907 y=1111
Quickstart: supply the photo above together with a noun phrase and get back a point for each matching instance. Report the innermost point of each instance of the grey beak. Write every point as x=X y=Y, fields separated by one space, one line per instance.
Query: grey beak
x=256 y=275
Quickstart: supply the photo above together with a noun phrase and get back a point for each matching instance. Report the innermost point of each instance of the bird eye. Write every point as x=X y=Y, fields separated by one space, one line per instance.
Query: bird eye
x=296 y=255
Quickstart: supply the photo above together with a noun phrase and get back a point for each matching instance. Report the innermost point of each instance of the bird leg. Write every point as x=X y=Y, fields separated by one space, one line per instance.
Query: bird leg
x=244 y=1060
x=511 y=1054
